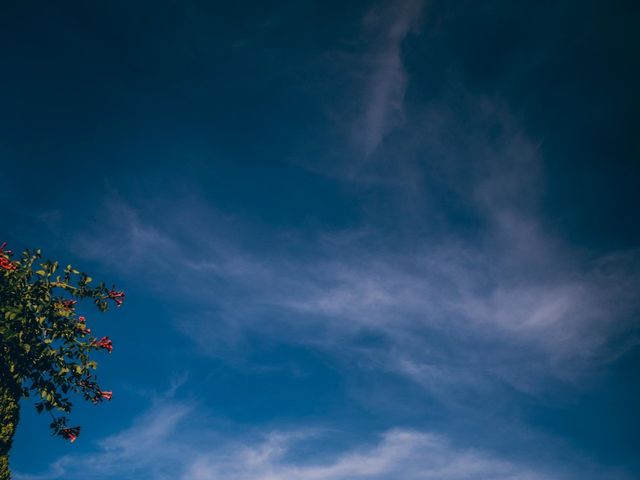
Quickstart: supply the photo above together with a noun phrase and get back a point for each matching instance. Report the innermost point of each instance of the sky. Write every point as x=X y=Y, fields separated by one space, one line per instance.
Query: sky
x=385 y=240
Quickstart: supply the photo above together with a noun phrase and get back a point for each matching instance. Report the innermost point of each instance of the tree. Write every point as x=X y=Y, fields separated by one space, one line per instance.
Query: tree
x=46 y=345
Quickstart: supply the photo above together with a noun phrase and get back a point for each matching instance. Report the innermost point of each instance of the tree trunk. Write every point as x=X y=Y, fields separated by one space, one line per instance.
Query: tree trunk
x=9 y=416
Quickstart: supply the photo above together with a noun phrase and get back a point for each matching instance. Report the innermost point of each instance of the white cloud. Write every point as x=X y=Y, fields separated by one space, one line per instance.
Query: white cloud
x=511 y=302
x=383 y=102
x=151 y=448
x=515 y=305
x=176 y=440
x=398 y=455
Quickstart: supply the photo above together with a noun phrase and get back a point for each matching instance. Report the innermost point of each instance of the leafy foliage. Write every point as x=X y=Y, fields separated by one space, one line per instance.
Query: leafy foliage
x=46 y=345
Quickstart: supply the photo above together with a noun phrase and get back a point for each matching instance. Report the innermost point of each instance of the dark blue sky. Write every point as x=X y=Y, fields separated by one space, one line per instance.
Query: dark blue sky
x=378 y=240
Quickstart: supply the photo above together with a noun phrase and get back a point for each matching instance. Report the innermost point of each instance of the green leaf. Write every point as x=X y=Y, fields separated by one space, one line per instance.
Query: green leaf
x=42 y=344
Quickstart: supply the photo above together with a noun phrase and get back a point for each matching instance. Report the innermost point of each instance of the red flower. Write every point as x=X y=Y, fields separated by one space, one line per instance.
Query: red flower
x=83 y=329
x=117 y=296
x=81 y=325
x=105 y=342
x=70 y=433
x=5 y=263
x=106 y=395
x=69 y=303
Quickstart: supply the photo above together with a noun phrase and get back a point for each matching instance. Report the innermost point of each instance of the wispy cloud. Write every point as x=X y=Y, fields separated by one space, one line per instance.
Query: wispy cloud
x=178 y=440
x=387 y=25
x=144 y=449
x=455 y=311
x=511 y=303
x=398 y=454
x=514 y=304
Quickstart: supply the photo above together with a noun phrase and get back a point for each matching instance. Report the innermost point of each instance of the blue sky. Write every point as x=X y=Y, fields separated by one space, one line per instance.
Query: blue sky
x=373 y=240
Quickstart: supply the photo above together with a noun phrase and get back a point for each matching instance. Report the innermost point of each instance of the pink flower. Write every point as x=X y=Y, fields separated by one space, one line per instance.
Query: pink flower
x=117 y=296
x=5 y=263
x=70 y=433
x=107 y=395
x=69 y=303
x=106 y=343
x=83 y=329
x=82 y=326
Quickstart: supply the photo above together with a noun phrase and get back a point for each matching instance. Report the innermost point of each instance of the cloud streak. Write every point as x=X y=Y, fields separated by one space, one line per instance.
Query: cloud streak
x=511 y=303
x=389 y=23
x=176 y=440
x=515 y=307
